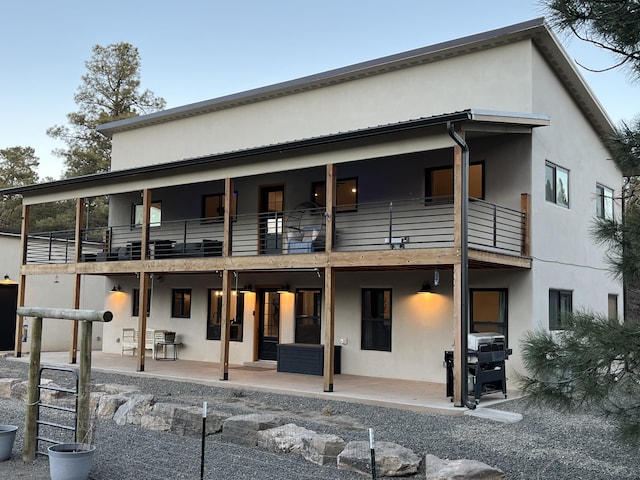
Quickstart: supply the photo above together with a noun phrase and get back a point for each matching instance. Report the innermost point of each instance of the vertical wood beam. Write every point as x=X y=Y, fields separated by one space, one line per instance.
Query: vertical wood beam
x=24 y=234
x=83 y=427
x=457 y=276
x=525 y=208
x=328 y=316
x=330 y=202
x=142 y=319
x=227 y=282
x=73 y=348
x=73 y=344
x=228 y=217
x=29 y=448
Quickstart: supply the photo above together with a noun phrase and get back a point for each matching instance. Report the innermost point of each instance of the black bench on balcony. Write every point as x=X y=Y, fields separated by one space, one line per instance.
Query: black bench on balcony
x=205 y=248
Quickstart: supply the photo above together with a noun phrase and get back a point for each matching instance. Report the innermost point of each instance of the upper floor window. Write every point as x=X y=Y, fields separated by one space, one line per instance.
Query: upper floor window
x=155 y=216
x=557 y=185
x=213 y=206
x=604 y=202
x=181 y=303
x=376 y=319
x=439 y=182
x=346 y=194
x=560 y=305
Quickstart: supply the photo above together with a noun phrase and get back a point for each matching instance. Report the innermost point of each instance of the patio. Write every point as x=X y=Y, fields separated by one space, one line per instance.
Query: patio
x=405 y=394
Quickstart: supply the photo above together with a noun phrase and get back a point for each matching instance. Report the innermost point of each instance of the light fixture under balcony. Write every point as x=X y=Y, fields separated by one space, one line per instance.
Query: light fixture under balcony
x=285 y=289
x=116 y=288
x=426 y=288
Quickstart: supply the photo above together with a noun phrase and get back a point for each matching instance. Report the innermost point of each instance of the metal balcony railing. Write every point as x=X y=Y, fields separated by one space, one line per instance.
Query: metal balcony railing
x=418 y=223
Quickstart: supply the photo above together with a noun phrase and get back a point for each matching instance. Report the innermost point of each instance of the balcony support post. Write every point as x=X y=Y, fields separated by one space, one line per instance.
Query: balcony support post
x=142 y=318
x=24 y=238
x=525 y=208
x=73 y=344
x=227 y=282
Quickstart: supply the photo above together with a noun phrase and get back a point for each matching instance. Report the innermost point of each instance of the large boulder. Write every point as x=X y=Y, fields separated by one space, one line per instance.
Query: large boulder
x=108 y=405
x=284 y=439
x=132 y=411
x=5 y=386
x=187 y=420
x=392 y=460
x=438 y=469
x=322 y=449
x=243 y=429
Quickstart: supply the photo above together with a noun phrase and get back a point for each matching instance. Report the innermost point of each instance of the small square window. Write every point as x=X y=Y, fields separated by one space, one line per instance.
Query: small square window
x=213 y=206
x=155 y=214
x=439 y=183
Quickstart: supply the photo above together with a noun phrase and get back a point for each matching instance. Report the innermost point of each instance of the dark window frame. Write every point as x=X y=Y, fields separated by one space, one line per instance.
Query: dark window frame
x=315 y=319
x=374 y=334
x=556 y=310
x=502 y=327
x=135 y=302
x=220 y=216
x=181 y=303
x=318 y=195
x=429 y=188
x=136 y=214
x=551 y=191
x=602 y=199
x=214 y=329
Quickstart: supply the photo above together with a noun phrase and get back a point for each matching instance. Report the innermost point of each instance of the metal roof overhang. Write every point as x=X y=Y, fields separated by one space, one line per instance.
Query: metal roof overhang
x=476 y=122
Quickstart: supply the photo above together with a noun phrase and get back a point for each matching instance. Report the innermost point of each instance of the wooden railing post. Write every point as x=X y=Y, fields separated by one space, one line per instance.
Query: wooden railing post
x=525 y=208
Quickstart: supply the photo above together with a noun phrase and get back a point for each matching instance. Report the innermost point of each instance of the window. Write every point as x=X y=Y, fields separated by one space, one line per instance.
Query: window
x=346 y=194
x=557 y=185
x=604 y=203
x=613 y=307
x=560 y=305
x=439 y=182
x=155 y=216
x=213 y=206
x=214 y=316
x=135 y=302
x=376 y=319
x=181 y=303
x=308 y=308
x=489 y=311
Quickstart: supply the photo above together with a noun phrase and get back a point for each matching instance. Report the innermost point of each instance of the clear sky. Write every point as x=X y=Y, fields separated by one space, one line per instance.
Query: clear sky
x=194 y=50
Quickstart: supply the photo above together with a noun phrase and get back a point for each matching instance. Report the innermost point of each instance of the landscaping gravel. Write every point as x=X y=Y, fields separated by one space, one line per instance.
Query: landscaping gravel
x=544 y=445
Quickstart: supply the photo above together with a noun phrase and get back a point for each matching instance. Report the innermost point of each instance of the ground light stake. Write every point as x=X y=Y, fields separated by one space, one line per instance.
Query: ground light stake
x=373 y=454
x=204 y=430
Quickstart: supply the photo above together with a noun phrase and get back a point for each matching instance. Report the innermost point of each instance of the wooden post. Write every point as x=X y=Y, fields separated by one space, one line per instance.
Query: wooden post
x=142 y=319
x=146 y=220
x=24 y=234
x=227 y=281
x=328 y=316
x=29 y=451
x=73 y=348
x=457 y=276
x=83 y=427
x=525 y=208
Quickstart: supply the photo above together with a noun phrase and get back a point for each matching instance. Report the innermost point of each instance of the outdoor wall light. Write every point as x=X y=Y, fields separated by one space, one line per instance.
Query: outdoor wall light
x=285 y=289
x=436 y=278
x=248 y=288
x=7 y=278
x=116 y=288
x=426 y=288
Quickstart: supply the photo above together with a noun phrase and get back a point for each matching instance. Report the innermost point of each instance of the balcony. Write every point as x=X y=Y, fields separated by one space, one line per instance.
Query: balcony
x=421 y=223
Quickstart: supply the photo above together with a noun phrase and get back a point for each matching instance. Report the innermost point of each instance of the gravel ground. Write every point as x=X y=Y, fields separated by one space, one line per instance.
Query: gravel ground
x=545 y=445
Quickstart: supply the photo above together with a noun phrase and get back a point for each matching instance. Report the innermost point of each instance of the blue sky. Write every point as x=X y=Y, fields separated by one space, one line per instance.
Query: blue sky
x=194 y=50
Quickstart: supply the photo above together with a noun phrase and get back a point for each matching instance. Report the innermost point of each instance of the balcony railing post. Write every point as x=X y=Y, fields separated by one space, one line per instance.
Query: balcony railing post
x=50 y=246
x=391 y=225
x=495 y=225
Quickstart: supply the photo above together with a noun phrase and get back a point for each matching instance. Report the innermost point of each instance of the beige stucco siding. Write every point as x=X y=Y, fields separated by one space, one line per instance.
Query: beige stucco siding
x=495 y=79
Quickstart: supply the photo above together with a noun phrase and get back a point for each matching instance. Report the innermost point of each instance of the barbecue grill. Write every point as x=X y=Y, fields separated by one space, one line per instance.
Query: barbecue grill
x=487 y=353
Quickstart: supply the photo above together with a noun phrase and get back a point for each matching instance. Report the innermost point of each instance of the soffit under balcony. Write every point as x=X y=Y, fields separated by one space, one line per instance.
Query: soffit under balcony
x=417 y=135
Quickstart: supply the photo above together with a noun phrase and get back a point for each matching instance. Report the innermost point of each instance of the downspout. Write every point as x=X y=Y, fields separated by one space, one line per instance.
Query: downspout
x=464 y=259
